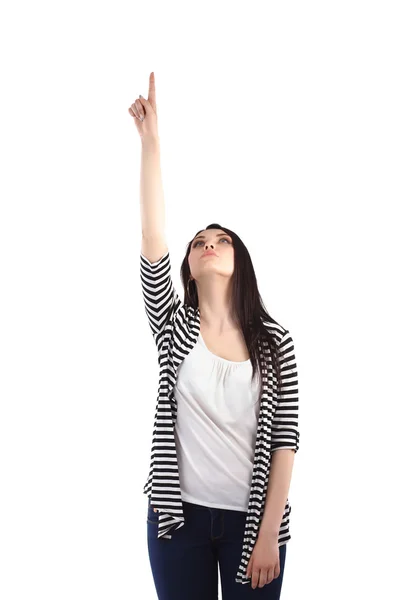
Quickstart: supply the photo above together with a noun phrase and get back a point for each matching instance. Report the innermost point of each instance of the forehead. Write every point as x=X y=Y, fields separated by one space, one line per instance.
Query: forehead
x=211 y=233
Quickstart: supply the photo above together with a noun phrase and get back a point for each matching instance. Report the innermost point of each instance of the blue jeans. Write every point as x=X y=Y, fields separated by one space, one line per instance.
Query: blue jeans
x=185 y=567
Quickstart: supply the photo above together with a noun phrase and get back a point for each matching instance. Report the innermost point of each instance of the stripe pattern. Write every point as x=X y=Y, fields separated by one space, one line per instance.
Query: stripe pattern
x=175 y=328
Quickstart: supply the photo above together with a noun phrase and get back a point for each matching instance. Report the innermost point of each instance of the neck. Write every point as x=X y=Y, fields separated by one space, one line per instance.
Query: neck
x=215 y=305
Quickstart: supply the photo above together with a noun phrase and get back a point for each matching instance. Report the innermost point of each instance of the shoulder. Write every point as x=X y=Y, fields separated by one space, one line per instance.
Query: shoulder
x=277 y=330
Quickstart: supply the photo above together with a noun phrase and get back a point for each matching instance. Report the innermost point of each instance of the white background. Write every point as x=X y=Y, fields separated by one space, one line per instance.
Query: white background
x=281 y=122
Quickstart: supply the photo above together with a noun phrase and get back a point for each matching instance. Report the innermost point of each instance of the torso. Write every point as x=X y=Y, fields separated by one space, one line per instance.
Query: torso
x=229 y=345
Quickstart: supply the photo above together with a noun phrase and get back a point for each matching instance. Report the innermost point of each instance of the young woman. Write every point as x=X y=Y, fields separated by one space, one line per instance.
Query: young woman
x=226 y=422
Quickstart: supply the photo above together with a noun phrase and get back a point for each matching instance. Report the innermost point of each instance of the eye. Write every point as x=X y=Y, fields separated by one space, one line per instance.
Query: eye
x=221 y=239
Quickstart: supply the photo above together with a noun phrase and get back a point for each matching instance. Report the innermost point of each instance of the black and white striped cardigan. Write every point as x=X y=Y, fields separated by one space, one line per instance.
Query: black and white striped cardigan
x=175 y=327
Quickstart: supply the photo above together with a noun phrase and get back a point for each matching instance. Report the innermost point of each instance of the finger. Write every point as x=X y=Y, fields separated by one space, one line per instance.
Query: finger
x=255 y=579
x=270 y=575
x=263 y=577
x=249 y=568
x=131 y=112
x=134 y=111
x=152 y=91
x=277 y=570
x=140 y=109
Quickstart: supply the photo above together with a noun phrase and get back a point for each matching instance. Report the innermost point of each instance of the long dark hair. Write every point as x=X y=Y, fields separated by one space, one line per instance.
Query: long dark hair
x=246 y=303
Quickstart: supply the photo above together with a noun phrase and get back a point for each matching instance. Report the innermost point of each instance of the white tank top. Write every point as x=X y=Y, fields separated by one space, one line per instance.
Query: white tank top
x=215 y=430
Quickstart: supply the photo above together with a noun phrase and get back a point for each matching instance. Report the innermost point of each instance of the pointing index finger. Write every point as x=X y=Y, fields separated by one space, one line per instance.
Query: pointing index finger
x=152 y=90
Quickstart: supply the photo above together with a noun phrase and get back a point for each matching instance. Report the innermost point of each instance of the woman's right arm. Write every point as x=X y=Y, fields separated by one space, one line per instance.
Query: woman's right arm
x=151 y=189
x=152 y=201
x=160 y=297
x=159 y=294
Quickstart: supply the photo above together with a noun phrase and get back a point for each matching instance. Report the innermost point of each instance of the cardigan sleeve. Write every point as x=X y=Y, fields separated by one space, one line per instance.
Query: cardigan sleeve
x=160 y=297
x=285 y=432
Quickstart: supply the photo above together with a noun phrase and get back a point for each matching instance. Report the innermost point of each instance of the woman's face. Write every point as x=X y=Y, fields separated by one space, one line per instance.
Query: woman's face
x=219 y=242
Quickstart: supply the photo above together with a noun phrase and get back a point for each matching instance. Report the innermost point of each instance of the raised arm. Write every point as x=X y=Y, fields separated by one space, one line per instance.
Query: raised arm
x=151 y=189
x=154 y=244
x=160 y=297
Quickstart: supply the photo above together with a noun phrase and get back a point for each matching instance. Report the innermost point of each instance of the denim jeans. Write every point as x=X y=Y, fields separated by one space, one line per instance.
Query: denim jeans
x=185 y=567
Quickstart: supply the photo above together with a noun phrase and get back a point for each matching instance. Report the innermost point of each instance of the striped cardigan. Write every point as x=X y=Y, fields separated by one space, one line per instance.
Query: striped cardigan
x=175 y=327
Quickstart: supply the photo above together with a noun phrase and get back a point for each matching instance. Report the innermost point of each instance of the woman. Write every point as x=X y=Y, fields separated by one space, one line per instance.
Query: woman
x=226 y=422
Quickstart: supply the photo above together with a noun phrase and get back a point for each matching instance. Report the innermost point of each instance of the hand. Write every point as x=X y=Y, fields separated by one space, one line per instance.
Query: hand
x=264 y=564
x=144 y=112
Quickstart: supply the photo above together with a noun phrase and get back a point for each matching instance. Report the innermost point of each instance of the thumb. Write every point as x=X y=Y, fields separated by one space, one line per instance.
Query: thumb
x=249 y=568
x=148 y=107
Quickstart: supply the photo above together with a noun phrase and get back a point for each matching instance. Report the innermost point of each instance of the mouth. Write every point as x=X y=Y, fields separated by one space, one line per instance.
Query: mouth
x=209 y=254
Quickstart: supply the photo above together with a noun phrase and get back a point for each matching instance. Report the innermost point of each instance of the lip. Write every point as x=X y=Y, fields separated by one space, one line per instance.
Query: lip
x=209 y=253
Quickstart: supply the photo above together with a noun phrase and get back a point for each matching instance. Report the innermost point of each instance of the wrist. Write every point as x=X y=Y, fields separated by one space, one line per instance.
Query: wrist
x=268 y=533
x=150 y=142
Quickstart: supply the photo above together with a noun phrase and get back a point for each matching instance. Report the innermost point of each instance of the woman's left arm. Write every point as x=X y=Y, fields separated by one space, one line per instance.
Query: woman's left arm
x=277 y=492
x=285 y=439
